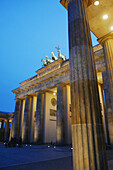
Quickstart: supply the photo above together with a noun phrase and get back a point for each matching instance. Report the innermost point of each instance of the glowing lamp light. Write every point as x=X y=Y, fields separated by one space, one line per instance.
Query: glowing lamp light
x=54 y=94
x=105 y=16
x=111 y=28
x=96 y=3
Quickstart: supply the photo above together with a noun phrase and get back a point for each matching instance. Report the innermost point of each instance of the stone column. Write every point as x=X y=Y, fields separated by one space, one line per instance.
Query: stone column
x=33 y=110
x=67 y=115
x=107 y=42
x=87 y=131
x=39 y=124
x=22 y=107
x=2 y=130
x=26 y=120
x=7 y=130
x=108 y=108
x=16 y=119
x=12 y=129
x=60 y=124
x=100 y=87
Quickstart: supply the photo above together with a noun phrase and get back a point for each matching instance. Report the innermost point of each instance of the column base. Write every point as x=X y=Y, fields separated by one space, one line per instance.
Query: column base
x=86 y=153
x=110 y=125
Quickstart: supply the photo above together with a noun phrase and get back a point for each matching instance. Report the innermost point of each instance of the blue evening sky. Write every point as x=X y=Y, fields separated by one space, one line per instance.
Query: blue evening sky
x=29 y=30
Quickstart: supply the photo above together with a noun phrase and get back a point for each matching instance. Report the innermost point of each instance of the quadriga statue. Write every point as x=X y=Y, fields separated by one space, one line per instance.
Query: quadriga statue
x=53 y=56
x=48 y=60
x=44 y=62
x=63 y=57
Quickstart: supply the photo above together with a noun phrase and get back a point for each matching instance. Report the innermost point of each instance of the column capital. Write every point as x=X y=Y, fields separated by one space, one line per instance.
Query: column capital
x=66 y=2
x=106 y=37
x=60 y=84
x=17 y=99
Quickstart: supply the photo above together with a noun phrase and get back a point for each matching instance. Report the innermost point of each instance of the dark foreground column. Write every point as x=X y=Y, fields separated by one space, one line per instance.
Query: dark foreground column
x=26 y=120
x=60 y=116
x=87 y=131
x=16 y=119
x=39 y=124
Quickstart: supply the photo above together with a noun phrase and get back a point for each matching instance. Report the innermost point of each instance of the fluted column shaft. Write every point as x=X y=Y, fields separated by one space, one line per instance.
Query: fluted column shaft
x=2 y=130
x=32 y=125
x=26 y=120
x=39 y=124
x=60 y=124
x=7 y=130
x=16 y=119
x=67 y=114
x=21 y=118
x=11 y=130
x=87 y=131
x=107 y=42
x=108 y=108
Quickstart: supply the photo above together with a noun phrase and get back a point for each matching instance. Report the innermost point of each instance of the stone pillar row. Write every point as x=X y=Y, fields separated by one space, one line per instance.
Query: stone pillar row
x=24 y=124
x=87 y=131
x=4 y=131
x=29 y=118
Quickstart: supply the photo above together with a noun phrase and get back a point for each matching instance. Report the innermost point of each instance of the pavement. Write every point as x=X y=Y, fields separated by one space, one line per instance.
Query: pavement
x=40 y=157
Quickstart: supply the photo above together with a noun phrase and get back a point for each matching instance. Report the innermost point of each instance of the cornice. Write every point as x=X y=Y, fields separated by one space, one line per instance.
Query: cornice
x=42 y=79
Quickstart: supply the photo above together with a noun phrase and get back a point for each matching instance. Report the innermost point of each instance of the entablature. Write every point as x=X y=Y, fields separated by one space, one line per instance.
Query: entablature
x=53 y=74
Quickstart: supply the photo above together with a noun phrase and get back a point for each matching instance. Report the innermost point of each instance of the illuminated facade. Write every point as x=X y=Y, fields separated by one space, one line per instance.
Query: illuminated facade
x=43 y=103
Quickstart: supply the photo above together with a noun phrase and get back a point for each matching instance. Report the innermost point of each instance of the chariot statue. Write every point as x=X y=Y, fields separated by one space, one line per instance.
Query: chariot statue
x=53 y=56
x=44 y=62
x=60 y=56
x=48 y=60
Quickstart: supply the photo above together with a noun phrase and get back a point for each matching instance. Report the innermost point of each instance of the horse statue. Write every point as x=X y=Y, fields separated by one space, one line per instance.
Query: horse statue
x=54 y=57
x=48 y=60
x=44 y=62
x=63 y=57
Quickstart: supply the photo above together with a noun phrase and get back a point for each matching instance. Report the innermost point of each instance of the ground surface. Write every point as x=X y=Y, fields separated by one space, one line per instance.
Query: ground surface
x=40 y=158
